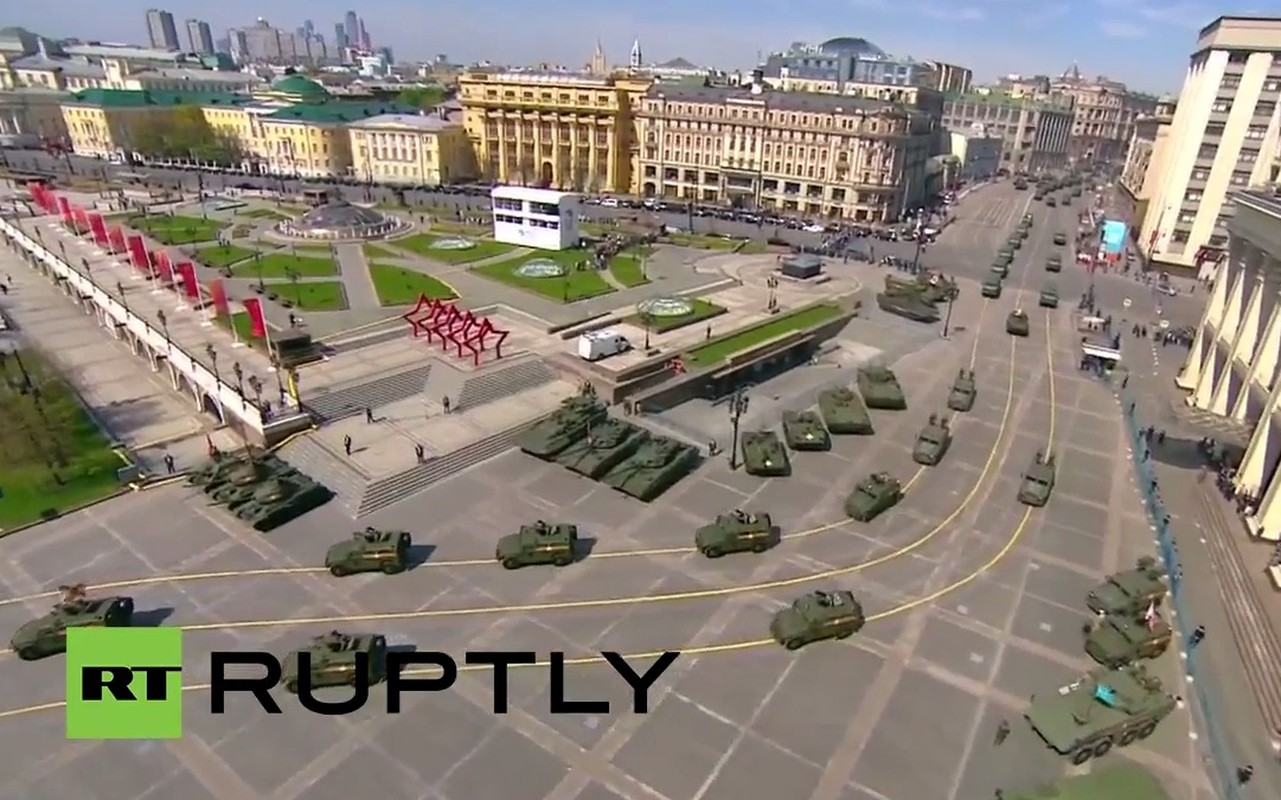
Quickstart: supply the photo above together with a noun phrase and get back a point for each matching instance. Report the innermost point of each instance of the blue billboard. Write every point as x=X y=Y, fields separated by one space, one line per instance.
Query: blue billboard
x=1113 y=236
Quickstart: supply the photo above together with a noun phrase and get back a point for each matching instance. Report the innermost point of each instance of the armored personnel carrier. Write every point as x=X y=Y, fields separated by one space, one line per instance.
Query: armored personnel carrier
x=817 y=616
x=964 y=391
x=1104 y=709
x=1120 y=639
x=803 y=430
x=738 y=532
x=1017 y=324
x=765 y=456
x=566 y=425
x=1112 y=782
x=1038 y=481
x=370 y=550
x=880 y=389
x=932 y=442
x=1131 y=591
x=844 y=412
x=1049 y=296
x=908 y=306
x=540 y=543
x=335 y=659
x=992 y=286
x=654 y=468
x=1054 y=263
x=278 y=501
x=47 y=635
x=1060 y=239
x=873 y=495
x=606 y=444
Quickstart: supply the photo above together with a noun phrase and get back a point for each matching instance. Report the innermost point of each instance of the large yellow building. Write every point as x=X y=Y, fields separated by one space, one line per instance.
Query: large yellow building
x=104 y=122
x=411 y=150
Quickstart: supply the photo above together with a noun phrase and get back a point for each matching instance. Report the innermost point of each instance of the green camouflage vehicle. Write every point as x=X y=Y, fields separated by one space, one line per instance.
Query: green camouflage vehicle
x=964 y=391
x=606 y=444
x=1120 y=639
x=880 y=389
x=1104 y=709
x=1014 y=242
x=1000 y=268
x=333 y=660
x=279 y=500
x=992 y=285
x=370 y=550
x=1060 y=239
x=908 y=306
x=1006 y=254
x=540 y=543
x=931 y=287
x=566 y=425
x=1054 y=263
x=874 y=495
x=1028 y=220
x=803 y=430
x=764 y=455
x=1049 y=296
x=1112 y=782
x=1051 y=202
x=932 y=442
x=232 y=476
x=844 y=413
x=738 y=532
x=1038 y=195
x=654 y=468
x=1038 y=481
x=1017 y=324
x=47 y=635
x=220 y=468
x=1130 y=591
x=817 y=616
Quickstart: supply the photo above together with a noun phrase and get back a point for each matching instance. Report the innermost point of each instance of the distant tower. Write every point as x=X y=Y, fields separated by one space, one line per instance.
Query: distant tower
x=599 y=64
x=634 y=60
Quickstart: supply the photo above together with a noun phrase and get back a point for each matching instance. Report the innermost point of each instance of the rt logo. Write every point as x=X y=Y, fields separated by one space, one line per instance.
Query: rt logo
x=139 y=701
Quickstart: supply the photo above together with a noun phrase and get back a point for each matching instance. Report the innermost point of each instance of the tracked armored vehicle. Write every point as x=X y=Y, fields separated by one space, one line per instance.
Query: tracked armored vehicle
x=804 y=430
x=1054 y=263
x=239 y=482
x=964 y=391
x=992 y=286
x=765 y=456
x=908 y=306
x=932 y=442
x=1130 y=591
x=335 y=659
x=817 y=616
x=604 y=447
x=1038 y=481
x=278 y=501
x=566 y=425
x=1060 y=239
x=873 y=495
x=880 y=389
x=737 y=532
x=1112 y=782
x=219 y=469
x=654 y=468
x=1049 y=296
x=1104 y=709
x=1014 y=242
x=1017 y=324
x=370 y=550
x=540 y=543
x=47 y=635
x=1005 y=254
x=1120 y=639
x=844 y=413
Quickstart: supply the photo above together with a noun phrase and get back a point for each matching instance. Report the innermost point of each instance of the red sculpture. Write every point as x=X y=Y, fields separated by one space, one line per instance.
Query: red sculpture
x=457 y=327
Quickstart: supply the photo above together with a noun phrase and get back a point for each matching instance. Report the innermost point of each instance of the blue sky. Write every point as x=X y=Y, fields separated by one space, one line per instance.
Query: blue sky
x=1143 y=42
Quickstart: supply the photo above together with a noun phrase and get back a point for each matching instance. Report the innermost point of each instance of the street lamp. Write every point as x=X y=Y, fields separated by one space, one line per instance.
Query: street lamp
x=164 y=328
x=255 y=386
x=737 y=408
x=213 y=361
x=239 y=372
x=947 y=318
x=647 y=319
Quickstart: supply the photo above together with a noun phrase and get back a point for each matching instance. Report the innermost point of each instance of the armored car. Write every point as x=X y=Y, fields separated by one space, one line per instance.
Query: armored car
x=737 y=532
x=933 y=441
x=964 y=391
x=873 y=495
x=1119 y=639
x=764 y=455
x=539 y=543
x=336 y=659
x=1038 y=481
x=370 y=550
x=47 y=635
x=817 y=616
x=804 y=430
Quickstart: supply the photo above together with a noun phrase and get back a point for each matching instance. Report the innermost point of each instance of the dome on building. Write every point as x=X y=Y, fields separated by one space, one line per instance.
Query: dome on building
x=298 y=85
x=341 y=221
x=851 y=46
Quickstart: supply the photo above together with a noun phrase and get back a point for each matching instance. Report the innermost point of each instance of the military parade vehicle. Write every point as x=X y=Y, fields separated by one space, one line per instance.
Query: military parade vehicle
x=1017 y=324
x=1049 y=296
x=566 y=425
x=605 y=445
x=817 y=616
x=964 y=391
x=844 y=413
x=221 y=468
x=1020 y=184
x=1130 y=591
x=804 y=430
x=1051 y=202
x=370 y=550
x=932 y=442
x=332 y=659
x=1038 y=481
x=1006 y=254
x=1060 y=239
x=47 y=635
x=992 y=285
x=1119 y=639
x=907 y=306
x=1000 y=268
x=276 y=501
x=880 y=389
x=873 y=495
x=1127 y=781
x=932 y=287
x=654 y=468
x=1014 y=242
x=1102 y=710
x=237 y=481
x=737 y=532
x=764 y=455
x=539 y=543
x=1054 y=263
x=1038 y=195
x=1028 y=220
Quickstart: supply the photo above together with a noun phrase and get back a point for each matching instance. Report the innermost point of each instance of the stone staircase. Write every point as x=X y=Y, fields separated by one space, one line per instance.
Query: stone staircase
x=346 y=480
x=445 y=380
x=490 y=387
x=352 y=400
x=367 y=340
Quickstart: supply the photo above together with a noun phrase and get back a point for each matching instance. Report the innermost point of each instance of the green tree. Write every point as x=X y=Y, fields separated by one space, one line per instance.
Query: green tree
x=422 y=97
x=183 y=134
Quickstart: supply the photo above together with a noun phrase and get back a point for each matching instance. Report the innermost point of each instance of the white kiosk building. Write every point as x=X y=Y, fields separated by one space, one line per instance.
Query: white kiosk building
x=539 y=218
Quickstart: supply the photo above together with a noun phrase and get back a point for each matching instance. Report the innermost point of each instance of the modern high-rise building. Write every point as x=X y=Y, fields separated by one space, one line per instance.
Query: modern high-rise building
x=351 y=27
x=365 y=43
x=1223 y=137
x=340 y=36
x=200 y=37
x=161 y=31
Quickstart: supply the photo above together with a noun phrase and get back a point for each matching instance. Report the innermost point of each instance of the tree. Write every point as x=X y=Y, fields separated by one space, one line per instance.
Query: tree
x=422 y=97
x=182 y=134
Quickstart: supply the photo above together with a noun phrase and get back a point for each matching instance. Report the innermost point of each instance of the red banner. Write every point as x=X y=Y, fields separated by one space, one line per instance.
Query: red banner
x=164 y=270
x=218 y=293
x=42 y=197
x=82 y=221
x=116 y=240
x=257 y=321
x=187 y=274
x=64 y=209
x=99 y=229
x=138 y=254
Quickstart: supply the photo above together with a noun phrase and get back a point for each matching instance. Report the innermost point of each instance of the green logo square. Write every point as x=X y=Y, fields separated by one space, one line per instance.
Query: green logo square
x=112 y=717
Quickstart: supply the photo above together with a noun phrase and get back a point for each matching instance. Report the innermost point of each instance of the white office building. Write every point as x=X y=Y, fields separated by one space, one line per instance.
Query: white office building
x=538 y=218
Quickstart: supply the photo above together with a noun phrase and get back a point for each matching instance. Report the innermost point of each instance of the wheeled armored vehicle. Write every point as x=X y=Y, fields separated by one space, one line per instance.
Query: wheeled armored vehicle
x=1038 y=481
x=1014 y=242
x=1060 y=239
x=1054 y=263
x=47 y=635
x=873 y=495
x=804 y=430
x=1049 y=296
x=908 y=306
x=880 y=389
x=737 y=532
x=817 y=616
x=370 y=550
x=1130 y=591
x=992 y=286
x=539 y=543
x=1051 y=202
x=1119 y=639
x=1005 y=254
x=933 y=441
x=764 y=455
x=1017 y=324
x=337 y=659
x=604 y=447
x=1000 y=268
x=844 y=413
x=566 y=425
x=654 y=468
x=964 y=391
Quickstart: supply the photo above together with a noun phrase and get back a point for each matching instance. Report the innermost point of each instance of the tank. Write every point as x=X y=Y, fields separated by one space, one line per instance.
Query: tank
x=1016 y=324
x=844 y=413
x=1107 y=708
x=932 y=442
x=880 y=389
x=1038 y=481
x=1049 y=297
x=764 y=455
x=1126 y=781
x=1129 y=591
x=239 y=482
x=1119 y=639
x=216 y=470
x=1060 y=239
x=47 y=635
x=873 y=495
x=278 y=501
x=908 y=306
x=964 y=391
x=539 y=543
x=333 y=658
x=654 y=468
x=804 y=430
x=737 y=532
x=370 y=550
x=1054 y=263
x=566 y=425
x=606 y=444
x=817 y=616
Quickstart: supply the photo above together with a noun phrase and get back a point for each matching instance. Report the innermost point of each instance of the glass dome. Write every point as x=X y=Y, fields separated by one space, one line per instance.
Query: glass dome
x=339 y=221
x=851 y=46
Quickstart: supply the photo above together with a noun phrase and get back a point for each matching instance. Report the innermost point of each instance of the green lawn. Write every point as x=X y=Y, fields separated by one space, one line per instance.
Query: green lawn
x=397 y=286
x=277 y=265
x=54 y=456
x=239 y=322
x=703 y=310
x=223 y=255
x=311 y=295
x=265 y=213
x=176 y=229
x=628 y=269
x=421 y=244
x=577 y=284
x=460 y=228
x=753 y=247
x=702 y=241
x=721 y=349
x=379 y=251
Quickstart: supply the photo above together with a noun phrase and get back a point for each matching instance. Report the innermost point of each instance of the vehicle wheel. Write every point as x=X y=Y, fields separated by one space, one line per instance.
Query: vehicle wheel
x=510 y=563
x=28 y=653
x=712 y=552
x=337 y=571
x=1102 y=748
x=1128 y=737
x=844 y=634
x=562 y=561
x=1081 y=756
x=759 y=548
x=793 y=644
x=1147 y=730
x=392 y=569
x=291 y=687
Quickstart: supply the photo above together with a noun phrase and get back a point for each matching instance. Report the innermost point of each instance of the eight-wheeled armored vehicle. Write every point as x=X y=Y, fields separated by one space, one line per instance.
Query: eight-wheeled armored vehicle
x=908 y=306
x=370 y=550
x=1016 y=324
x=1130 y=591
x=817 y=616
x=566 y=425
x=764 y=455
x=844 y=412
x=880 y=389
x=335 y=659
x=804 y=430
x=654 y=468
x=964 y=391
x=604 y=446
x=933 y=441
x=47 y=635
x=737 y=532
x=1119 y=639
x=1038 y=481
x=872 y=496
x=539 y=543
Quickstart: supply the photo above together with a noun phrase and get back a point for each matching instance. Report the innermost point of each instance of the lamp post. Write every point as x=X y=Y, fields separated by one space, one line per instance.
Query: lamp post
x=262 y=287
x=239 y=372
x=947 y=317
x=213 y=361
x=737 y=408
x=648 y=320
x=255 y=386
x=164 y=328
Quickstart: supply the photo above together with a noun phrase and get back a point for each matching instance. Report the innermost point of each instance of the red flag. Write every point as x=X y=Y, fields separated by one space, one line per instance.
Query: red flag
x=82 y=221
x=187 y=272
x=116 y=238
x=64 y=209
x=163 y=270
x=218 y=293
x=138 y=254
x=257 y=321
x=99 y=229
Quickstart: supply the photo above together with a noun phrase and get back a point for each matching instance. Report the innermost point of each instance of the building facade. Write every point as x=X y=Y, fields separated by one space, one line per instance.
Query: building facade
x=1150 y=134
x=1035 y=134
x=976 y=154
x=947 y=78
x=411 y=149
x=539 y=218
x=200 y=37
x=1104 y=113
x=161 y=30
x=31 y=118
x=106 y=122
x=829 y=66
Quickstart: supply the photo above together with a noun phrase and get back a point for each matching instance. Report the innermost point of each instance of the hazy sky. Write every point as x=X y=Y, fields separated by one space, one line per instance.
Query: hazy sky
x=1142 y=42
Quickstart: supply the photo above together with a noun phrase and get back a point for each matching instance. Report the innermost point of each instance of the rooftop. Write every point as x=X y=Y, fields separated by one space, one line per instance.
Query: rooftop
x=336 y=112
x=126 y=52
x=140 y=98
x=424 y=123
x=1005 y=99
x=69 y=67
x=1265 y=200
x=198 y=75
x=550 y=77
x=810 y=102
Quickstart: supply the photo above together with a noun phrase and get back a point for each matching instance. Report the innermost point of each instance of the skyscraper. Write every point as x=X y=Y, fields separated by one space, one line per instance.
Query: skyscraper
x=365 y=43
x=200 y=37
x=161 y=30
x=351 y=27
x=340 y=35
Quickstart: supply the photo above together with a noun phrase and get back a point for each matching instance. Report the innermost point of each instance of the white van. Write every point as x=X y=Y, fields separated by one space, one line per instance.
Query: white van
x=602 y=344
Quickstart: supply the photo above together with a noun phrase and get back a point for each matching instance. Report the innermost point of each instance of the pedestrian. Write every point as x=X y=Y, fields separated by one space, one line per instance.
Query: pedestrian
x=1002 y=732
x=1125 y=382
x=709 y=333
x=418 y=452
x=169 y=465
x=346 y=445
x=444 y=403
x=369 y=415
x=1197 y=636
x=711 y=448
x=1244 y=774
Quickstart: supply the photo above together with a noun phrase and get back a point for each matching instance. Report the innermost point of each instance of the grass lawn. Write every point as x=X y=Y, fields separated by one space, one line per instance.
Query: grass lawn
x=311 y=295
x=753 y=247
x=573 y=286
x=277 y=265
x=721 y=349
x=627 y=270
x=264 y=213
x=421 y=244
x=55 y=458
x=703 y=310
x=240 y=324
x=379 y=251
x=460 y=228
x=397 y=286
x=223 y=255
x=702 y=241
x=177 y=229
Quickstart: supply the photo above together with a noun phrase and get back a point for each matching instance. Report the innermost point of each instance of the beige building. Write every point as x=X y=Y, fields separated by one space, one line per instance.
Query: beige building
x=31 y=117
x=1104 y=115
x=976 y=154
x=1151 y=136
x=948 y=78
x=412 y=150
x=1035 y=133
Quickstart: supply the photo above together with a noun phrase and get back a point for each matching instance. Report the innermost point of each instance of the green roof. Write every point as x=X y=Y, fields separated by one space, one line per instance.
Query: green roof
x=1003 y=99
x=298 y=84
x=142 y=98
x=338 y=111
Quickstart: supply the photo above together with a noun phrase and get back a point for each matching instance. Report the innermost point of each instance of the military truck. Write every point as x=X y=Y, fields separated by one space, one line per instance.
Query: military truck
x=817 y=616
x=1060 y=239
x=1119 y=639
x=764 y=455
x=880 y=389
x=655 y=467
x=907 y=306
x=334 y=659
x=1126 y=781
x=737 y=532
x=1104 y=709
x=844 y=413
x=1130 y=591
x=539 y=543
x=566 y=425
x=964 y=391
x=1054 y=263
x=803 y=430
x=1038 y=481
x=992 y=285
x=47 y=635
x=873 y=495
x=1049 y=296
x=370 y=550
x=1017 y=323
x=932 y=442
x=604 y=447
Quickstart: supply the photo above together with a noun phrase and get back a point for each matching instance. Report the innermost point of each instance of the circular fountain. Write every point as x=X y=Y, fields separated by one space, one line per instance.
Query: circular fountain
x=665 y=306
x=542 y=268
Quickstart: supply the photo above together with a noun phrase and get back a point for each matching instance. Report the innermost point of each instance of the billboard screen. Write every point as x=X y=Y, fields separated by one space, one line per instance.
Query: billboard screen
x=1113 y=236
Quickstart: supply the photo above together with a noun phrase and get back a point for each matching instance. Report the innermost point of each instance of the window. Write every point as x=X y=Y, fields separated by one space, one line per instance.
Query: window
x=1179 y=237
x=1256 y=132
x=1214 y=129
x=1265 y=108
x=1221 y=106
